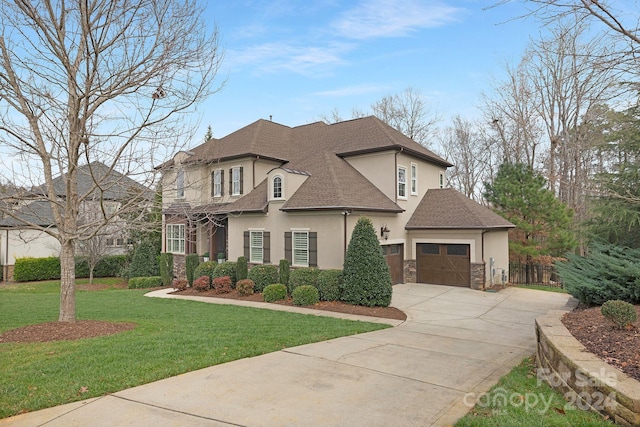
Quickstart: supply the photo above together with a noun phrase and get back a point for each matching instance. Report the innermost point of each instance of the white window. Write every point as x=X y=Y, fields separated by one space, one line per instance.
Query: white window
x=180 y=184
x=441 y=182
x=277 y=187
x=256 y=250
x=175 y=238
x=414 y=179
x=402 y=182
x=300 y=240
x=236 y=181
x=217 y=183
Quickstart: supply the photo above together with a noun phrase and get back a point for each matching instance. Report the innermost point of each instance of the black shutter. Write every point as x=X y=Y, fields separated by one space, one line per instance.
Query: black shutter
x=266 y=247
x=313 y=249
x=241 y=179
x=287 y=246
x=246 y=245
x=221 y=182
x=231 y=181
x=213 y=182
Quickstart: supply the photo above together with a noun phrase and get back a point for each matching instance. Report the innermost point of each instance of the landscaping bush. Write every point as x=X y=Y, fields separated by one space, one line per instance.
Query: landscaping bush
x=283 y=269
x=35 y=269
x=205 y=269
x=621 y=313
x=245 y=287
x=606 y=273
x=329 y=284
x=241 y=268
x=366 y=279
x=201 y=284
x=165 y=262
x=179 y=284
x=303 y=276
x=305 y=295
x=145 y=282
x=222 y=284
x=263 y=275
x=226 y=269
x=274 y=292
x=145 y=261
x=191 y=262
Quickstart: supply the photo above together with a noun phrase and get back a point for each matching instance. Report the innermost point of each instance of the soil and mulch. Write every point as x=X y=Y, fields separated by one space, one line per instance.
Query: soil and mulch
x=617 y=347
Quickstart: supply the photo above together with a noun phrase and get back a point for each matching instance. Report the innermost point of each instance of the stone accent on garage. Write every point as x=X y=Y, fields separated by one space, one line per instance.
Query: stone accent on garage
x=477 y=276
x=586 y=380
x=410 y=275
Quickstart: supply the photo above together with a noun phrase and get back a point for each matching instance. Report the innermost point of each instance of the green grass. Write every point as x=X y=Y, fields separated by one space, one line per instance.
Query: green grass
x=171 y=337
x=529 y=402
x=544 y=288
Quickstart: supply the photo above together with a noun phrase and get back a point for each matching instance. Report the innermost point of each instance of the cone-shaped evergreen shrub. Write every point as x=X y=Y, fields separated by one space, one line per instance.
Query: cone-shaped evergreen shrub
x=145 y=261
x=366 y=279
x=191 y=263
x=242 y=269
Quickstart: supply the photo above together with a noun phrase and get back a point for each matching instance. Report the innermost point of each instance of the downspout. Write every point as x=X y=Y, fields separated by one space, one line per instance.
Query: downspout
x=483 y=261
x=345 y=213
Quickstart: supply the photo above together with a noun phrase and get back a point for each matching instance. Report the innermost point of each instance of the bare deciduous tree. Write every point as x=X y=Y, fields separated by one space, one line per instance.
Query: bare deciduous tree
x=106 y=80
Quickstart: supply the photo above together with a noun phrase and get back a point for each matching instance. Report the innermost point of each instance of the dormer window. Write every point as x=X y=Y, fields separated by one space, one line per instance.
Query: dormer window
x=277 y=187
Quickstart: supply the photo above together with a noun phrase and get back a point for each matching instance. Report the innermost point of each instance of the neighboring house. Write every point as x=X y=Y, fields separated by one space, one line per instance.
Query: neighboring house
x=272 y=192
x=22 y=235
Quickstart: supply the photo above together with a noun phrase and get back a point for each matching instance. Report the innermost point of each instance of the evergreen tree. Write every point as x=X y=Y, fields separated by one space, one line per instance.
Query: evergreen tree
x=209 y=134
x=145 y=261
x=366 y=277
x=543 y=223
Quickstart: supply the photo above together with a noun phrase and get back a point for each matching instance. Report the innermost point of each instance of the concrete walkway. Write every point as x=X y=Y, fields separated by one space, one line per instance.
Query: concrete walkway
x=455 y=344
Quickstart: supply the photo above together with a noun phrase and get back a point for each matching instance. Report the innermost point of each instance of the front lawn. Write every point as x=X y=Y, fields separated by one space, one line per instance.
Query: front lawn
x=171 y=337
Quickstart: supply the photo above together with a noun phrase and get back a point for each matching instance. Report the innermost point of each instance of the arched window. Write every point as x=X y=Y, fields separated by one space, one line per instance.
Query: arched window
x=277 y=187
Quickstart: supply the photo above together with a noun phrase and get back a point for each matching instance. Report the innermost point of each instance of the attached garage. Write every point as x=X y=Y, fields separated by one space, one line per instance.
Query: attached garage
x=444 y=264
x=394 y=257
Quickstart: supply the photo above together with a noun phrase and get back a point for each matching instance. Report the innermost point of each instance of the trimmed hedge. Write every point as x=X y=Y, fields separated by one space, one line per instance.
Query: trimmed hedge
x=35 y=269
x=274 y=292
x=303 y=276
x=227 y=269
x=263 y=275
x=305 y=295
x=621 y=313
x=145 y=282
x=329 y=282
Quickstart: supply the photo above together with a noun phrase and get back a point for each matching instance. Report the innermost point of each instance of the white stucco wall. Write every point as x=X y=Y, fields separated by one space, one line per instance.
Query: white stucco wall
x=26 y=244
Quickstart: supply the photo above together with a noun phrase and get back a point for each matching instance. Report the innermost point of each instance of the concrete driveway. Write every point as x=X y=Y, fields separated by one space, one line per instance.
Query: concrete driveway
x=455 y=344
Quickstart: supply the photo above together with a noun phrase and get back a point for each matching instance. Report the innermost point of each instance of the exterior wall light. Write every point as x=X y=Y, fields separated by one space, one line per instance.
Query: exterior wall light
x=384 y=232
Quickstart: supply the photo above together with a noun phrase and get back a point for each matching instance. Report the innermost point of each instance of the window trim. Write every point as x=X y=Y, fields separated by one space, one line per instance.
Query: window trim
x=414 y=179
x=175 y=242
x=295 y=260
x=260 y=259
x=273 y=187
x=401 y=184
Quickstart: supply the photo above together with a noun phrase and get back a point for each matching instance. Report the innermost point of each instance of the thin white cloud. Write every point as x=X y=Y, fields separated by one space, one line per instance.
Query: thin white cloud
x=352 y=90
x=392 y=18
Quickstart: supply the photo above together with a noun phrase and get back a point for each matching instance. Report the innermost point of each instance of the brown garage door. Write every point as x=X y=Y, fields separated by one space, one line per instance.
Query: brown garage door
x=393 y=254
x=442 y=264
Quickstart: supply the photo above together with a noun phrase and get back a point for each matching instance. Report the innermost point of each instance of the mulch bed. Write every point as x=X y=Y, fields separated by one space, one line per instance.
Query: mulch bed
x=619 y=348
x=61 y=331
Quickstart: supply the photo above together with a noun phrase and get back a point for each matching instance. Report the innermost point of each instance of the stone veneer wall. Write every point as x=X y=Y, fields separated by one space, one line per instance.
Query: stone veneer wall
x=179 y=266
x=586 y=380
x=477 y=276
x=410 y=274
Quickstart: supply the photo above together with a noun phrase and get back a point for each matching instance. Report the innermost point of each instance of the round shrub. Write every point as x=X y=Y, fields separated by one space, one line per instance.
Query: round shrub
x=179 y=284
x=245 y=287
x=303 y=276
x=222 y=285
x=263 y=275
x=621 y=313
x=274 y=292
x=201 y=283
x=305 y=295
x=241 y=268
x=329 y=284
x=205 y=269
x=226 y=269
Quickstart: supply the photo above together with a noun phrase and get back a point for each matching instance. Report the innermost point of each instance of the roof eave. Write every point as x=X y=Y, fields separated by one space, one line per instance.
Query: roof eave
x=461 y=227
x=342 y=208
x=395 y=148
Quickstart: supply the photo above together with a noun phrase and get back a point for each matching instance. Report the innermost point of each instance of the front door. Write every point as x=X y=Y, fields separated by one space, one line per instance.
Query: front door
x=218 y=239
x=394 y=256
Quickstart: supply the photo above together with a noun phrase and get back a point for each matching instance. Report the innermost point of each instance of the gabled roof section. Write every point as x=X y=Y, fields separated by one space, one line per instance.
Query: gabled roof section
x=37 y=213
x=255 y=201
x=447 y=208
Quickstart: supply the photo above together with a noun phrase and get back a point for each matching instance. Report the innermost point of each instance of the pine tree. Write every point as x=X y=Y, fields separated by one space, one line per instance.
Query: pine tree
x=366 y=277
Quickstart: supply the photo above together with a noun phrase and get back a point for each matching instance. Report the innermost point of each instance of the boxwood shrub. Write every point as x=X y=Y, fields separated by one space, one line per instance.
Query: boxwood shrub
x=274 y=292
x=303 y=276
x=263 y=275
x=329 y=282
x=305 y=295
x=33 y=269
x=205 y=269
x=145 y=282
x=226 y=269
x=621 y=313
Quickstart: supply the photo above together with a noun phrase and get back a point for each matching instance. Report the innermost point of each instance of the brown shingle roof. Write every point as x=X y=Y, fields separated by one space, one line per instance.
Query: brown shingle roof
x=448 y=208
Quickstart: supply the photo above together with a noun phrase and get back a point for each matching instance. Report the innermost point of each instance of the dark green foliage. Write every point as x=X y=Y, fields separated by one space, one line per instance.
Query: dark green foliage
x=145 y=261
x=245 y=287
x=366 y=279
x=621 y=313
x=32 y=269
x=165 y=262
x=241 y=268
x=205 y=269
x=608 y=272
x=329 y=285
x=145 y=282
x=110 y=266
x=263 y=275
x=303 y=276
x=284 y=272
x=226 y=269
x=305 y=295
x=274 y=292
x=191 y=262
x=543 y=223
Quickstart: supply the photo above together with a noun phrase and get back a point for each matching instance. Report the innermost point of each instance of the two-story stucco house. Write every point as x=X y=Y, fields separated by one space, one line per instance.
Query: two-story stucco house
x=272 y=192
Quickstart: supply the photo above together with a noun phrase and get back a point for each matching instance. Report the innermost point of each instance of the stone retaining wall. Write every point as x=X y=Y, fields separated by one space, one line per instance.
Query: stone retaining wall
x=586 y=381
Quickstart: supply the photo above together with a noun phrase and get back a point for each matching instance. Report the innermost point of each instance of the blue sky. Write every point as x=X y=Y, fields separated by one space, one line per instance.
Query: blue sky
x=297 y=60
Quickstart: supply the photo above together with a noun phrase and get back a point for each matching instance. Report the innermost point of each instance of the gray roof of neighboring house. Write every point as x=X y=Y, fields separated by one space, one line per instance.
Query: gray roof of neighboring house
x=448 y=208
x=37 y=213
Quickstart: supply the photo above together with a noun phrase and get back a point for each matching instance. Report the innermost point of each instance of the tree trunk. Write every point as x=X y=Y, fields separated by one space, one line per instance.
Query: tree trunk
x=67 y=283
